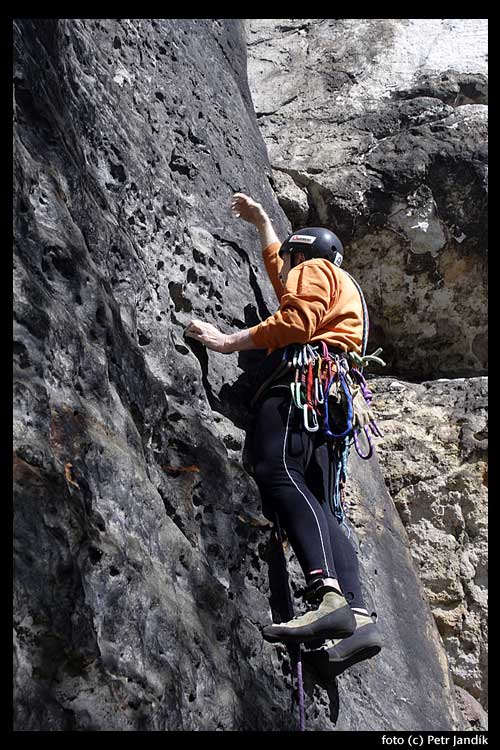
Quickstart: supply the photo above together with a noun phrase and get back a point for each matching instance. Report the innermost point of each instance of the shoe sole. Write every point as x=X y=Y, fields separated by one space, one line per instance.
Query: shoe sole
x=364 y=653
x=366 y=639
x=333 y=668
x=338 y=624
x=332 y=660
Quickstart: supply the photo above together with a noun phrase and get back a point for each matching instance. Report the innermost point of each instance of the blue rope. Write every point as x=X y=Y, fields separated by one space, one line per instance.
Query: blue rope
x=341 y=452
x=340 y=459
x=348 y=429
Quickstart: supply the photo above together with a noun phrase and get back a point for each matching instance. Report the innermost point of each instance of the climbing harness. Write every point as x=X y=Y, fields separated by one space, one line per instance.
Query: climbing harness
x=330 y=390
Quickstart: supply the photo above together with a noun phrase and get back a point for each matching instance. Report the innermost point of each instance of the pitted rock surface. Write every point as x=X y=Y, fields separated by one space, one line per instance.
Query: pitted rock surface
x=381 y=124
x=144 y=567
x=434 y=458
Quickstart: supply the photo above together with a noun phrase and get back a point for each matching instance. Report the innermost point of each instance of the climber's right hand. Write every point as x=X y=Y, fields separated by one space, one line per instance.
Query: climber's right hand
x=247 y=209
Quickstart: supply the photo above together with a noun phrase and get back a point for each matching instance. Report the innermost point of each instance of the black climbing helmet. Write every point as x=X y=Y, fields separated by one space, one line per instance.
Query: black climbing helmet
x=314 y=242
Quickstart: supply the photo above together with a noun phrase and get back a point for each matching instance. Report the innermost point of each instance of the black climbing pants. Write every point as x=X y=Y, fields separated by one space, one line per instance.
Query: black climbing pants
x=291 y=468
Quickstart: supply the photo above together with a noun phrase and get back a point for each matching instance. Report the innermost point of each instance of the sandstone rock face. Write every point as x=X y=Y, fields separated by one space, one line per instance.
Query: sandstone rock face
x=472 y=710
x=144 y=567
x=381 y=126
x=434 y=458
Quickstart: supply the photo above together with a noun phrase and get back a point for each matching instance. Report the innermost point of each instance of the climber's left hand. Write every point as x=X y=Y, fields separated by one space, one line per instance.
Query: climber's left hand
x=208 y=335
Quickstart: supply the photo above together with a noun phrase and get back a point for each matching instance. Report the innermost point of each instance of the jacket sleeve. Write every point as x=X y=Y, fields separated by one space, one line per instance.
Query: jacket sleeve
x=309 y=293
x=273 y=263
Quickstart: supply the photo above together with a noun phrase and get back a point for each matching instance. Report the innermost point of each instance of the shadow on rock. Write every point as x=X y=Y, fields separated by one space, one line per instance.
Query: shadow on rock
x=235 y=398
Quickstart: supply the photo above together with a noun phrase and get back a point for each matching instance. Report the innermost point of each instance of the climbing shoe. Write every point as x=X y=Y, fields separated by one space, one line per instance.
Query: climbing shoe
x=333 y=618
x=340 y=654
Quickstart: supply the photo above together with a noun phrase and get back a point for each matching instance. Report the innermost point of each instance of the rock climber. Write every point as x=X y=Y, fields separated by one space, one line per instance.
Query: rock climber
x=319 y=305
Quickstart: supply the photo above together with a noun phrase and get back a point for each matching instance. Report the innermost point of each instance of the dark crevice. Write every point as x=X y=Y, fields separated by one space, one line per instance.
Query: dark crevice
x=273 y=112
x=201 y=355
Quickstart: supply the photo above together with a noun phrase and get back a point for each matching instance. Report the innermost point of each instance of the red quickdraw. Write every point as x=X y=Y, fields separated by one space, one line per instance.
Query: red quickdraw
x=309 y=409
x=309 y=384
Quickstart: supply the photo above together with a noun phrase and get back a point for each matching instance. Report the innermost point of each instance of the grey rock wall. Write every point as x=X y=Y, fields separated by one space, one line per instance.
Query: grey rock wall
x=144 y=567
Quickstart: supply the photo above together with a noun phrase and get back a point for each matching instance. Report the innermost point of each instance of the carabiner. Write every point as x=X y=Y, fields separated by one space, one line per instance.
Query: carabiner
x=370 y=444
x=317 y=390
x=312 y=353
x=315 y=426
x=295 y=387
x=348 y=429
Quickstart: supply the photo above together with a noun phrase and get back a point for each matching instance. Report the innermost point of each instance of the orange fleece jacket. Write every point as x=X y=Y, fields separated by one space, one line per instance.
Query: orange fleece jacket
x=319 y=302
